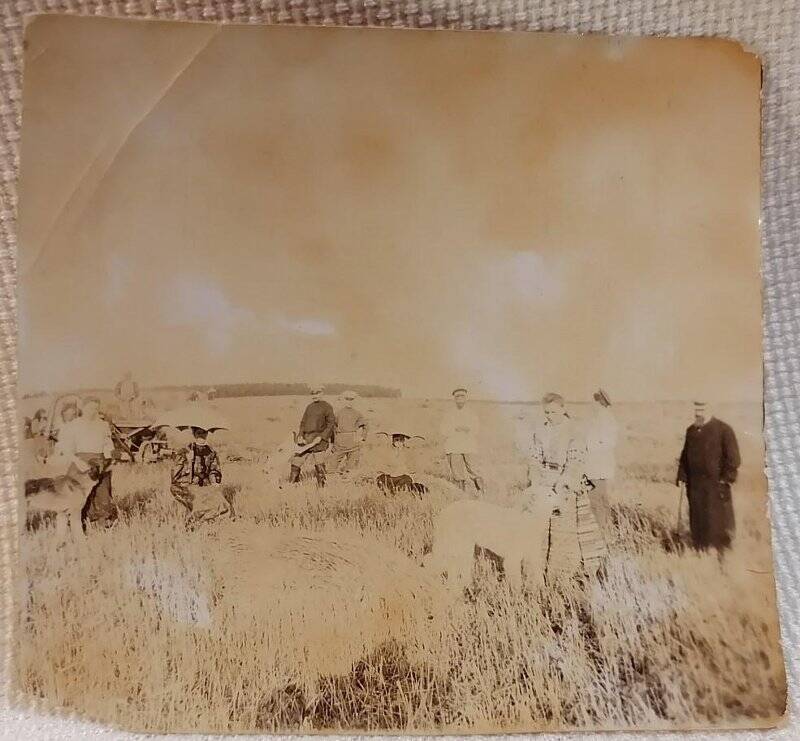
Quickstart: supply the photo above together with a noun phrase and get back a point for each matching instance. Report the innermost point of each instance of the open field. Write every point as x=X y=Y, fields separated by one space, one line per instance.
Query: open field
x=240 y=626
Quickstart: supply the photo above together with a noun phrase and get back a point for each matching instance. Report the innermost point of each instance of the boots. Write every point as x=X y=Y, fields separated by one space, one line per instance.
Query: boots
x=320 y=473
x=294 y=476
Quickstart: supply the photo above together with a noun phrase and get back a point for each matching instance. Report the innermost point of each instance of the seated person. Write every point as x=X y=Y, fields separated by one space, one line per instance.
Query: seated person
x=395 y=470
x=196 y=480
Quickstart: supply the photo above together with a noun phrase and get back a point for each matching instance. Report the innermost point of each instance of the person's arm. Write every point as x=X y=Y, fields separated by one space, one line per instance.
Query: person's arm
x=682 y=464
x=330 y=422
x=214 y=471
x=301 y=430
x=108 y=443
x=572 y=475
x=731 y=460
x=361 y=424
x=535 y=449
x=180 y=471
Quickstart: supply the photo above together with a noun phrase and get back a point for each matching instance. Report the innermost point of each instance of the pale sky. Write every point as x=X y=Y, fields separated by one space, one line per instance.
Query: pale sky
x=515 y=213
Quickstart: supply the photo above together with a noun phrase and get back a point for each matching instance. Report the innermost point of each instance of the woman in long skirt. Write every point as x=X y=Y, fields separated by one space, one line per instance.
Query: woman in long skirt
x=559 y=490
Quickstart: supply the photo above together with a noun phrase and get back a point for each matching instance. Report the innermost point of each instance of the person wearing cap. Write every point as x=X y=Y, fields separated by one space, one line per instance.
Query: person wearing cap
x=317 y=427
x=708 y=466
x=350 y=433
x=86 y=443
x=558 y=490
x=460 y=428
x=601 y=443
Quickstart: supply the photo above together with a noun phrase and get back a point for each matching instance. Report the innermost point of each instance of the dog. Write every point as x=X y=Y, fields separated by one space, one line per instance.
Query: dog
x=64 y=495
x=516 y=536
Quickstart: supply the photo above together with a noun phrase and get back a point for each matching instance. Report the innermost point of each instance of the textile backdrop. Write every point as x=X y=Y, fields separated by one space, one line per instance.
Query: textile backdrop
x=771 y=28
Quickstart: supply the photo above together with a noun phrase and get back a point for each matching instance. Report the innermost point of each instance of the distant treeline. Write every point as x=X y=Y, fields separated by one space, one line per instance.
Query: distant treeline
x=238 y=390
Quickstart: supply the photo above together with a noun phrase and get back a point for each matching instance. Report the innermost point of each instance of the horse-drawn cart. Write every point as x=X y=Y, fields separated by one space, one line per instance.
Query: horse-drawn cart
x=139 y=441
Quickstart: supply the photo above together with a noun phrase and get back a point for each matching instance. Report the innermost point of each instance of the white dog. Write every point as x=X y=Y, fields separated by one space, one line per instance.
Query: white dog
x=517 y=536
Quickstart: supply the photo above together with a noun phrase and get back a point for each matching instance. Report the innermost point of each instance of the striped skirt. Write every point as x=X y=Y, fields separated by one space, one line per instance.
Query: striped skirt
x=575 y=541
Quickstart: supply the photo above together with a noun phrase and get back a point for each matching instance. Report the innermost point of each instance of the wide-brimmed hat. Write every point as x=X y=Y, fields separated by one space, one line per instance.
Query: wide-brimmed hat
x=349 y=395
x=460 y=390
x=400 y=434
x=192 y=416
x=316 y=388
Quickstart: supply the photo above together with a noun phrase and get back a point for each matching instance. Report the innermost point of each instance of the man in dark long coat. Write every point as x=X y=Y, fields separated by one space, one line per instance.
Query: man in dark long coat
x=317 y=427
x=708 y=466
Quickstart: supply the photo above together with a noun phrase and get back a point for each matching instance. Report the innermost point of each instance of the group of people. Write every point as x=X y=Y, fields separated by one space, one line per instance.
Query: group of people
x=80 y=441
x=44 y=432
x=568 y=468
x=570 y=465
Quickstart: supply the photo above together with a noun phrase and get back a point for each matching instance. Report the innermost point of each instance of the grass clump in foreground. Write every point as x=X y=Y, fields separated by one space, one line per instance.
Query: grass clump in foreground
x=149 y=626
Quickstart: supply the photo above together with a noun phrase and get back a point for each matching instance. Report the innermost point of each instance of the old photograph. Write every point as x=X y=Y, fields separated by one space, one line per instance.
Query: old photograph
x=391 y=381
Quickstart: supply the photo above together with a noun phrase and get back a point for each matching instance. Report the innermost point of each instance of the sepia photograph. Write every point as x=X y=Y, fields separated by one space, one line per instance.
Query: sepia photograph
x=391 y=381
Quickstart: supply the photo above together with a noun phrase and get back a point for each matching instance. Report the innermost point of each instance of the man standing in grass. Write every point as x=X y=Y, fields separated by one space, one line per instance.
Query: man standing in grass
x=708 y=466
x=601 y=463
x=460 y=428
x=349 y=437
x=127 y=392
x=316 y=432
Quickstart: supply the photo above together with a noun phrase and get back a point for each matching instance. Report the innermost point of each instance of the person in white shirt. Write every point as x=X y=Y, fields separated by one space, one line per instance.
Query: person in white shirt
x=86 y=444
x=601 y=463
x=558 y=489
x=460 y=428
x=396 y=469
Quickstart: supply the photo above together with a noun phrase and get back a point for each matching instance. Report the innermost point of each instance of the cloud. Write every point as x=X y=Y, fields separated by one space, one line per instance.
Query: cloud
x=196 y=301
x=526 y=275
x=308 y=326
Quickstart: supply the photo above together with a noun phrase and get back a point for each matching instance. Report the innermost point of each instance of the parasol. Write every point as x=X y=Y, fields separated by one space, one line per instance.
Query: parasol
x=192 y=416
x=395 y=431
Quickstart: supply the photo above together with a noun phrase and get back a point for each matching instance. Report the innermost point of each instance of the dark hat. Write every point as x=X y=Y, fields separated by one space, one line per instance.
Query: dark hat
x=602 y=396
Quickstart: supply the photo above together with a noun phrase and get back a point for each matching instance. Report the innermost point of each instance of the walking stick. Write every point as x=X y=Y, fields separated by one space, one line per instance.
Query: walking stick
x=681 y=489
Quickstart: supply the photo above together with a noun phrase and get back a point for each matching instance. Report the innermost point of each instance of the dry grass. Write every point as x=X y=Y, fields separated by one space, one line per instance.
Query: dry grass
x=312 y=612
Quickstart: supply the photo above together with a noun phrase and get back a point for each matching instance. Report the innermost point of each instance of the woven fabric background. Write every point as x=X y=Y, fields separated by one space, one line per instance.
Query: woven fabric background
x=770 y=27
